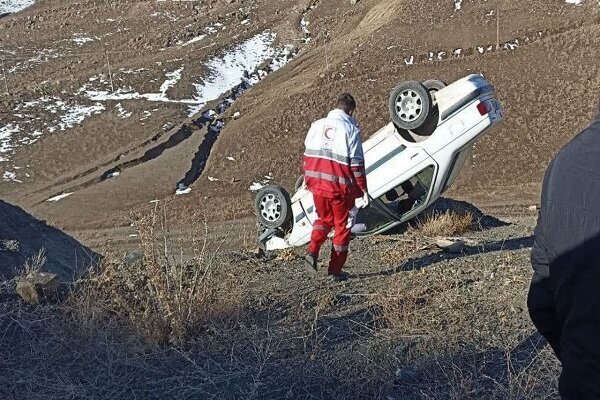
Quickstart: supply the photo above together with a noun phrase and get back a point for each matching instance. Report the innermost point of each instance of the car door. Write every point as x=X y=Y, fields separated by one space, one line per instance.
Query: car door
x=404 y=198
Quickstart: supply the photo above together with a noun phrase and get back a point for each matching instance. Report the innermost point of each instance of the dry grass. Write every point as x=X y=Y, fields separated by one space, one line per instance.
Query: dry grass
x=287 y=255
x=458 y=330
x=493 y=375
x=170 y=294
x=448 y=223
x=35 y=263
x=447 y=306
x=443 y=332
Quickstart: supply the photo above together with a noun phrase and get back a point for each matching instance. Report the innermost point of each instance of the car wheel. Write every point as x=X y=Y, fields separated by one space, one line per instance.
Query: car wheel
x=273 y=207
x=299 y=183
x=409 y=105
x=433 y=85
x=430 y=124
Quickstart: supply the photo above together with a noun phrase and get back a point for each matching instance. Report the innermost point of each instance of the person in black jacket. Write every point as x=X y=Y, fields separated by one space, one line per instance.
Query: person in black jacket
x=564 y=297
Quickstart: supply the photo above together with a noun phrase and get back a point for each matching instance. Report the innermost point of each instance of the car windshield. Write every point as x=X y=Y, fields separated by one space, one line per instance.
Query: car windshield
x=398 y=202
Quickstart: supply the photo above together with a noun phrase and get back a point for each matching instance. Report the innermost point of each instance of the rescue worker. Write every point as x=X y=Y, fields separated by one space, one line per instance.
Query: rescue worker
x=564 y=296
x=334 y=172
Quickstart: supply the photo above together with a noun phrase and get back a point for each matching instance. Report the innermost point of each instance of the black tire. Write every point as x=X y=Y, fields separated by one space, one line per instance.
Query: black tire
x=430 y=124
x=273 y=207
x=433 y=85
x=409 y=105
x=299 y=183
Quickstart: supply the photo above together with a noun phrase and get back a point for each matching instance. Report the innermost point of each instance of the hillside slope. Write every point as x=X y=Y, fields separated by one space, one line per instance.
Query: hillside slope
x=66 y=126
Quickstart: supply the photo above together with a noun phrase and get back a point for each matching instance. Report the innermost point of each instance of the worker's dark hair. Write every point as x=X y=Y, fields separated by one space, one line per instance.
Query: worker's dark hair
x=346 y=102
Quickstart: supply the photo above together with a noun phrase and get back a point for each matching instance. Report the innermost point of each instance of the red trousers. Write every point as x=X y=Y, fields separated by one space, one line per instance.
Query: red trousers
x=332 y=213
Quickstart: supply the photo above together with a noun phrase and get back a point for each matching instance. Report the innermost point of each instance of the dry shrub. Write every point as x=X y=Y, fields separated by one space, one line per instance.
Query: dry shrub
x=167 y=296
x=493 y=375
x=287 y=255
x=458 y=329
x=448 y=223
x=447 y=307
x=35 y=263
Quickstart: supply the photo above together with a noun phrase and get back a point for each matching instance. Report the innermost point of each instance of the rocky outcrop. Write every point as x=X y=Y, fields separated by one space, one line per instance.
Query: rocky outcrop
x=38 y=287
x=22 y=236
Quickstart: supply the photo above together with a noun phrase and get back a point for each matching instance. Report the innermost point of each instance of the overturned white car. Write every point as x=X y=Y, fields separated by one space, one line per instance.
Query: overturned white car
x=409 y=163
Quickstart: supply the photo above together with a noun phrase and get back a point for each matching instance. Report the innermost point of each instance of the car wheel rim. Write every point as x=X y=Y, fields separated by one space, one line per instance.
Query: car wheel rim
x=270 y=207
x=409 y=105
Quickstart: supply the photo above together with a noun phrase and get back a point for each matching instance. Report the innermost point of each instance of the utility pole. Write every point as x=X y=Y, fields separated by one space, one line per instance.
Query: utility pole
x=327 y=50
x=498 y=29
x=4 y=75
x=112 y=87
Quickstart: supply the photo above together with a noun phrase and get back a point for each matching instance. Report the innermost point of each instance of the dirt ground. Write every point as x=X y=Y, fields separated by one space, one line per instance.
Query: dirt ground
x=412 y=322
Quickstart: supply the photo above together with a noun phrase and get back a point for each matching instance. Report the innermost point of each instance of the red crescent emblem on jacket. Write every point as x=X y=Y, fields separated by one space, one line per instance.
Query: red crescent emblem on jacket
x=326 y=133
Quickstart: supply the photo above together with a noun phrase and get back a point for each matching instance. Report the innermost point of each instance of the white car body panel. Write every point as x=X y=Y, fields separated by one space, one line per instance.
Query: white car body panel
x=391 y=159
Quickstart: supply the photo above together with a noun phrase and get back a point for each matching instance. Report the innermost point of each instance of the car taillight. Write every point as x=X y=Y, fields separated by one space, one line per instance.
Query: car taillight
x=483 y=108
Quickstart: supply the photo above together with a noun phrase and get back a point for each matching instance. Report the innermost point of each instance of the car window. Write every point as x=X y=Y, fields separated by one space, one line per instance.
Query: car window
x=392 y=206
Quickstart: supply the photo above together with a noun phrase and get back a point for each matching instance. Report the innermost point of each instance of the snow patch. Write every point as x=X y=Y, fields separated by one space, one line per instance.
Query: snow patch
x=81 y=40
x=43 y=55
x=132 y=71
x=6 y=133
x=13 y=6
x=10 y=176
x=575 y=2
x=228 y=70
x=164 y=14
x=76 y=114
x=172 y=78
x=457 y=5
x=209 y=30
x=147 y=115
x=62 y=116
x=512 y=45
x=194 y=40
x=59 y=197
x=304 y=23
x=122 y=113
x=284 y=57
